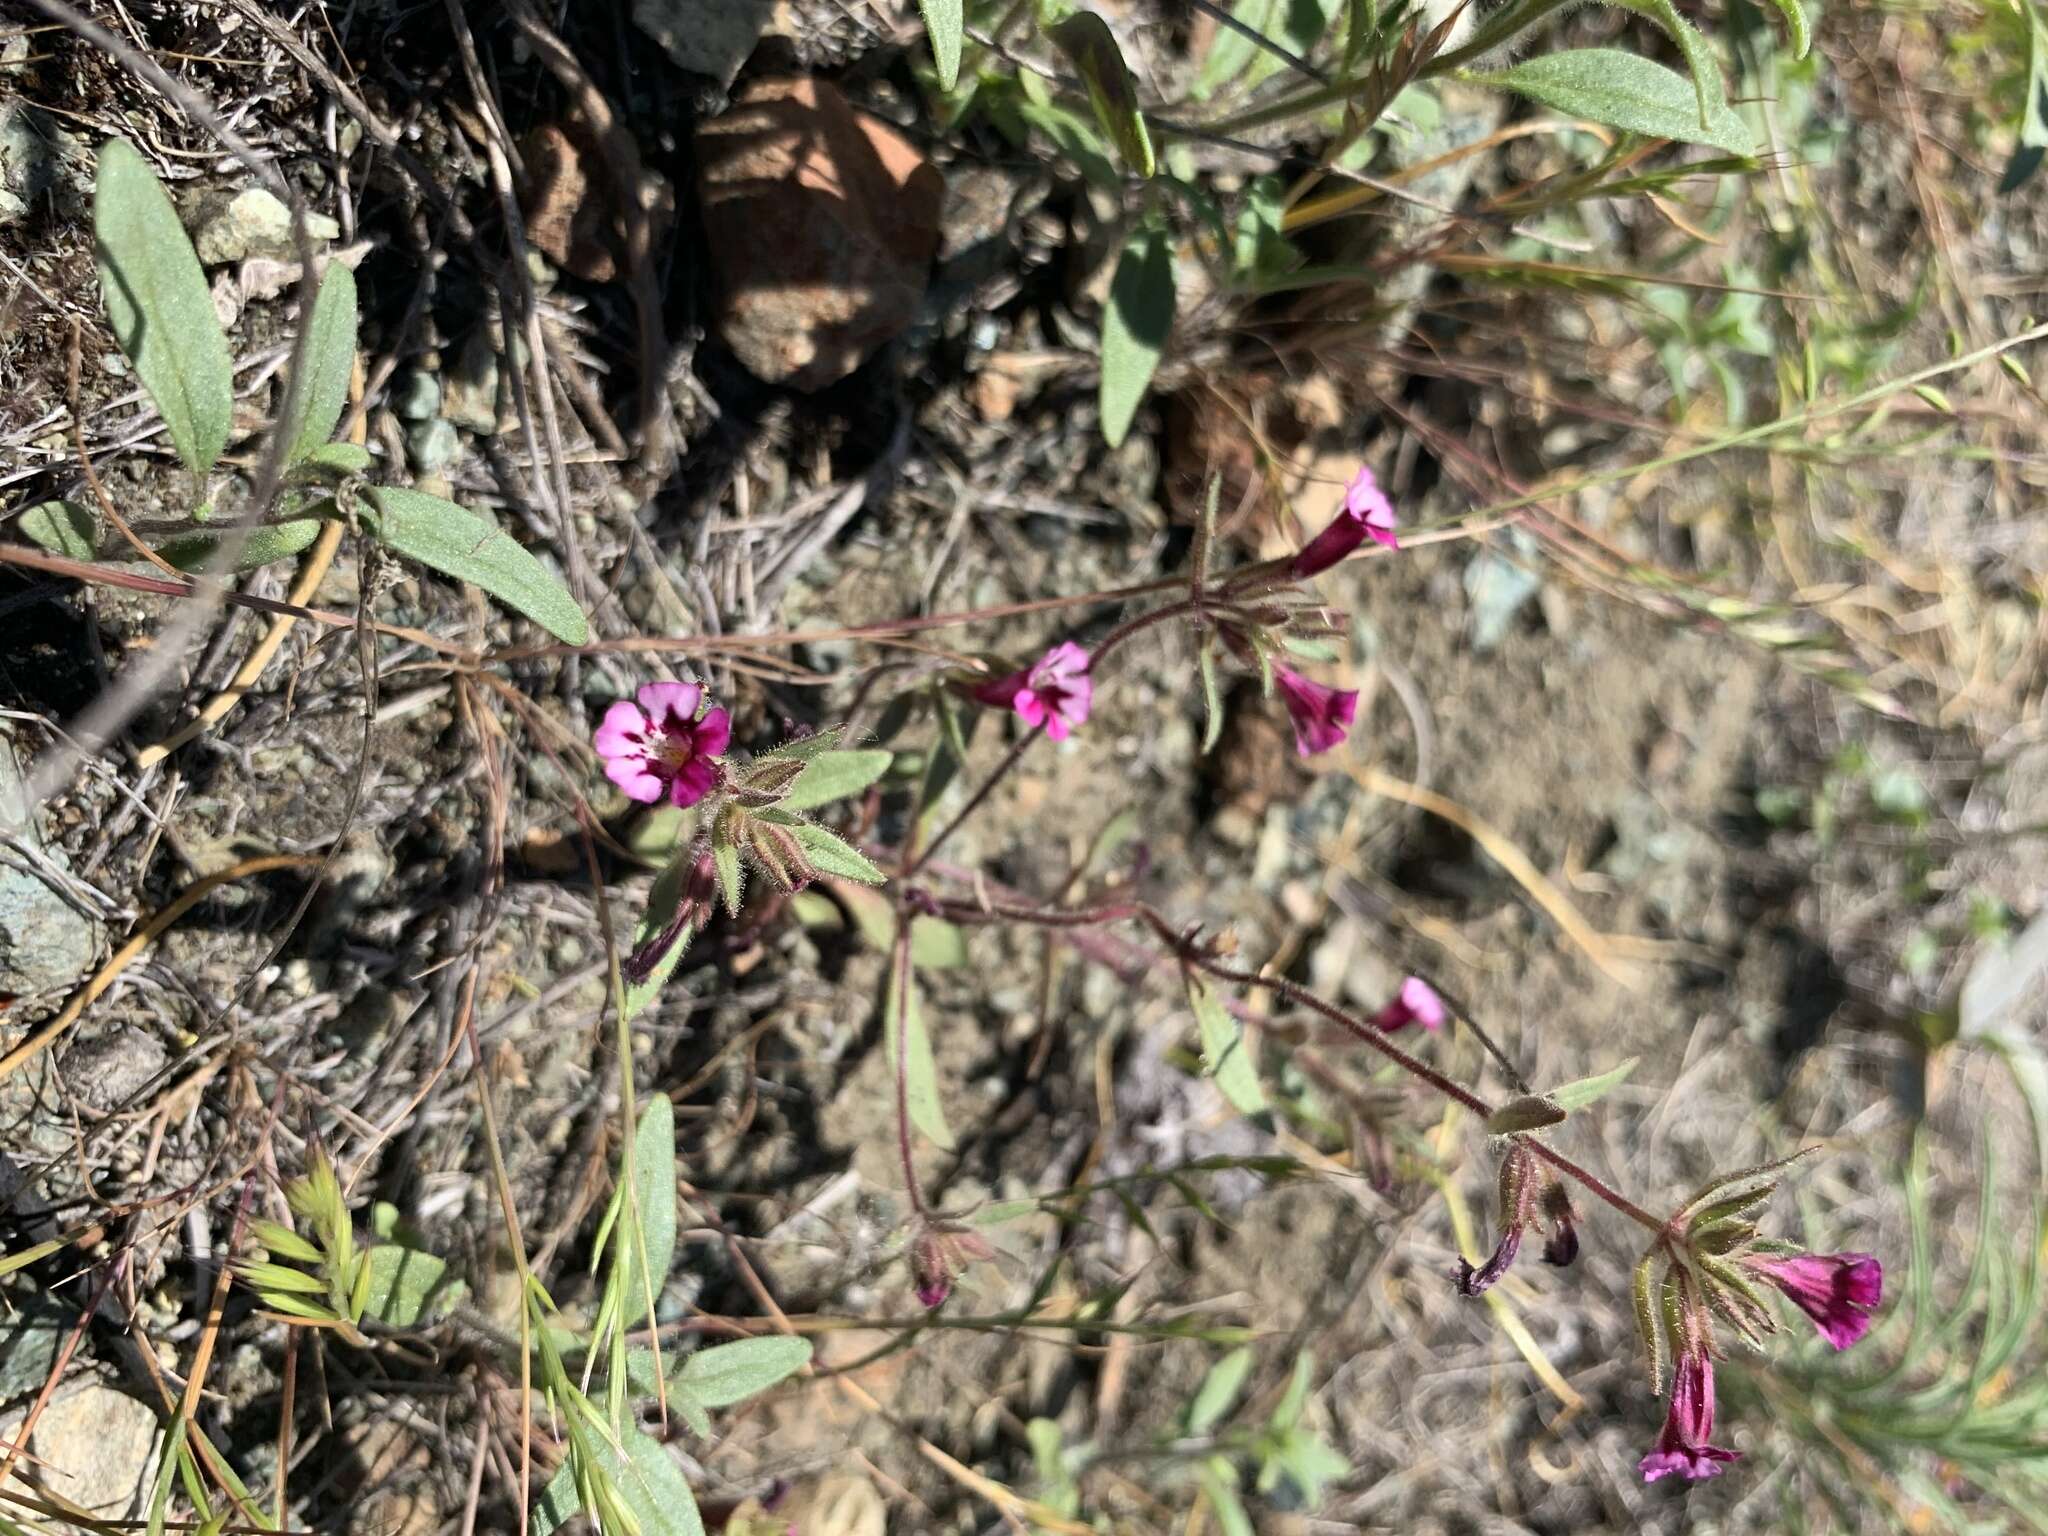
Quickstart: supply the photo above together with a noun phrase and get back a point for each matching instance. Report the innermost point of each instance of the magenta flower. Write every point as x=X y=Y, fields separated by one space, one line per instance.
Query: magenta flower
x=1836 y=1290
x=1415 y=1003
x=1053 y=691
x=658 y=749
x=1321 y=716
x=1682 y=1446
x=1367 y=514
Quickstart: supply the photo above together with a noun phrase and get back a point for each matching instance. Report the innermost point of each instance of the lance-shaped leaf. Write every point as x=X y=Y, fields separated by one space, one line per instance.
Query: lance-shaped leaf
x=470 y=547
x=654 y=1200
x=906 y=1034
x=1085 y=38
x=1135 y=328
x=646 y=1477
x=1622 y=90
x=1226 y=1049
x=327 y=357
x=832 y=775
x=1582 y=1091
x=62 y=527
x=944 y=25
x=260 y=546
x=729 y=1373
x=159 y=307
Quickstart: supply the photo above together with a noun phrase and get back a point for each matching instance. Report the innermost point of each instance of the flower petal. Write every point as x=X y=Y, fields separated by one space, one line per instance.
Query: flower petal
x=693 y=781
x=666 y=702
x=714 y=733
x=631 y=775
x=622 y=732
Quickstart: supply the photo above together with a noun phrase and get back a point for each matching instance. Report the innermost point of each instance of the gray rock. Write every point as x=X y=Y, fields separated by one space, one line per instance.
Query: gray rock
x=706 y=37
x=433 y=444
x=253 y=223
x=1498 y=587
x=418 y=398
x=46 y=943
x=469 y=390
x=37 y=160
x=93 y=1447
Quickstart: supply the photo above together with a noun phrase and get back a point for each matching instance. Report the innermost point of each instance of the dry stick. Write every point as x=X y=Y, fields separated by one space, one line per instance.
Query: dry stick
x=112 y=576
x=125 y=956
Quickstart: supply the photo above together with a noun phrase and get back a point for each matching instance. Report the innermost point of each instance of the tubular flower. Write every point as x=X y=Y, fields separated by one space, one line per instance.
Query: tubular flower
x=1518 y=1193
x=1054 y=691
x=656 y=748
x=1836 y=1290
x=1415 y=1003
x=1682 y=1446
x=1367 y=514
x=1321 y=716
x=940 y=1251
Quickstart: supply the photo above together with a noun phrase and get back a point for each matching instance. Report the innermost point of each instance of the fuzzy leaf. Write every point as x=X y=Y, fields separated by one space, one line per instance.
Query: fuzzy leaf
x=1582 y=1091
x=1648 y=1329
x=470 y=547
x=647 y=1479
x=1524 y=1112
x=833 y=776
x=62 y=527
x=329 y=358
x=272 y=541
x=921 y=1072
x=1226 y=1050
x=654 y=1196
x=833 y=855
x=729 y=1373
x=945 y=26
x=336 y=459
x=1699 y=57
x=1212 y=695
x=1135 y=328
x=407 y=1285
x=725 y=858
x=1085 y=38
x=159 y=307
x=1623 y=90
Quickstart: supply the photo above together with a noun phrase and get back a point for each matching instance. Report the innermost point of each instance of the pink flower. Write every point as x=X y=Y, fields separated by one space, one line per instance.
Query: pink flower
x=1682 y=1446
x=657 y=749
x=1054 y=691
x=1415 y=1003
x=940 y=1251
x=1321 y=716
x=1836 y=1290
x=1367 y=514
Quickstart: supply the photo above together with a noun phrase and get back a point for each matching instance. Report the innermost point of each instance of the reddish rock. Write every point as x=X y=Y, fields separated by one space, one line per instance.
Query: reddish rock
x=822 y=223
x=567 y=219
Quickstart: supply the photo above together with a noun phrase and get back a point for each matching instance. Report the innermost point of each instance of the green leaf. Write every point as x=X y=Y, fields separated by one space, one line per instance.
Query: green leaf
x=725 y=859
x=1607 y=85
x=272 y=541
x=1524 y=1112
x=1582 y=1091
x=945 y=26
x=1212 y=694
x=921 y=1072
x=62 y=527
x=327 y=358
x=1218 y=1391
x=647 y=1479
x=833 y=776
x=1801 y=35
x=1135 y=328
x=1298 y=24
x=337 y=459
x=729 y=1373
x=407 y=1285
x=1226 y=1053
x=470 y=547
x=663 y=898
x=1074 y=136
x=1218 y=1480
x=654 y=1198
x=1699 y=58
x=1287 y=1413
x=1085 y=38
x=834 y=856
x=157 y=302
